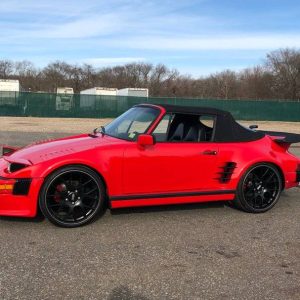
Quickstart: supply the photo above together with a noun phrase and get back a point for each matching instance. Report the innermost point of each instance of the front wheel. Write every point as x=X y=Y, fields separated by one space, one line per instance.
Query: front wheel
x=72 y=196
x=259 y=188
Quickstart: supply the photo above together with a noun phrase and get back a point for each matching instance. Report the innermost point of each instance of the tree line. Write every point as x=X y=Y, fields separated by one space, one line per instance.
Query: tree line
x=278 y=77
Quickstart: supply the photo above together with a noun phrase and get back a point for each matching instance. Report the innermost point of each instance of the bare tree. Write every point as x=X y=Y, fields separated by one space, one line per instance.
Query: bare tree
x=26 y=72
x=6 y=68
x=278 y=77
x=255 y=83
x=222 y=85
x=284 y=65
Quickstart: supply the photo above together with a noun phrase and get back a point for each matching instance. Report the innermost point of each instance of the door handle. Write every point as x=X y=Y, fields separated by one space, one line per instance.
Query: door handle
x=210 y=152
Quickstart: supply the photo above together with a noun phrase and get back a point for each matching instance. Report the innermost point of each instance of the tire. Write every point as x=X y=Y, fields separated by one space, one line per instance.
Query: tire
x=72 y=196
x=259 y=188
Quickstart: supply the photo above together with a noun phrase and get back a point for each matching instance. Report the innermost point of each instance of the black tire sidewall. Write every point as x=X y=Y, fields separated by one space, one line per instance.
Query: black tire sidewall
x=55 y=174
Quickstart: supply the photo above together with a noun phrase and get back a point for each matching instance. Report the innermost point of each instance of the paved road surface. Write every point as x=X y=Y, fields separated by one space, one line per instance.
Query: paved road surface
x=205 y=251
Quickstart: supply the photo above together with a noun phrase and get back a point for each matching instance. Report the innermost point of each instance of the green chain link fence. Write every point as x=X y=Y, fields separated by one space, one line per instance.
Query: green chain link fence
x=90 y=106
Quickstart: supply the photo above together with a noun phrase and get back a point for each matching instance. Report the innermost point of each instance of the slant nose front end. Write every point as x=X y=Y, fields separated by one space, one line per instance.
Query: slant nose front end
x=18 y=196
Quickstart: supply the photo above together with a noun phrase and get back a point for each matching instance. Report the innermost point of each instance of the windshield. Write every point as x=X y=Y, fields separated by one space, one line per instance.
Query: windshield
x=132 y=123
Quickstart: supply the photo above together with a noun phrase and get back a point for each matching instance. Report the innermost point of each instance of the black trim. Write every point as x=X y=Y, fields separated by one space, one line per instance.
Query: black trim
x=285 y=137
x=21 y=187
x=227 y=171
x=298 y=176
x=14 y=167
x=170 y=195
x=190 y=109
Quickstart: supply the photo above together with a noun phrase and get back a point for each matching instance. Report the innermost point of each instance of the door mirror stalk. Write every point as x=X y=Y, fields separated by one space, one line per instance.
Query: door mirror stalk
x=145 y=140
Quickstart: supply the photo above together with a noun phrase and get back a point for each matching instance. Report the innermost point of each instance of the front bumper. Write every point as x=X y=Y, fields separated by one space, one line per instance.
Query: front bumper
x=21 y=205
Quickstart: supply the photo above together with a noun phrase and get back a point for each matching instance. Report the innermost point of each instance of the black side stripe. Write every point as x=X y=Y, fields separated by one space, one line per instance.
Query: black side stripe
x=170 y=195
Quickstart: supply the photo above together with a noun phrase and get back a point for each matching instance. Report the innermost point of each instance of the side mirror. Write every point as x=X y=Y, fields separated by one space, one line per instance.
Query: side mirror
x=145 y=140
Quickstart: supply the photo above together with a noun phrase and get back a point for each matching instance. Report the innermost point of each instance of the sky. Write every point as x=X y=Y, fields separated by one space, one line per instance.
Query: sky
x=194 y=37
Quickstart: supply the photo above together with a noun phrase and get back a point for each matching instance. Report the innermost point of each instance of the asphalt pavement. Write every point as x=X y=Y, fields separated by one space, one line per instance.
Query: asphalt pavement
x=202 y=251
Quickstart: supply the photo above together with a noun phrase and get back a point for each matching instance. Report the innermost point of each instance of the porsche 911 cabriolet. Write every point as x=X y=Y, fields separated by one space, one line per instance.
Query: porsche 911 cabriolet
x=150 y=155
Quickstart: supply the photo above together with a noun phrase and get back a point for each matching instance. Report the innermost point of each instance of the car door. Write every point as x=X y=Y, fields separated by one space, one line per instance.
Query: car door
x=168 y=167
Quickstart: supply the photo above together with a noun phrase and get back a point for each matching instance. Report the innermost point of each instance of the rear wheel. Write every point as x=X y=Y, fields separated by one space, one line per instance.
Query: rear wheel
x=72 y=196
x=259 y=188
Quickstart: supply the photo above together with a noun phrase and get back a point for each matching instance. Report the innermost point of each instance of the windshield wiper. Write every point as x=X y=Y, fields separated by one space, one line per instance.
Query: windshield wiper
x=100 y=129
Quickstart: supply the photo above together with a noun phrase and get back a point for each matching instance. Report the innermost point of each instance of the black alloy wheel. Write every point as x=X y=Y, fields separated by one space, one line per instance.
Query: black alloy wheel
x=72 y=196
x=259 y=189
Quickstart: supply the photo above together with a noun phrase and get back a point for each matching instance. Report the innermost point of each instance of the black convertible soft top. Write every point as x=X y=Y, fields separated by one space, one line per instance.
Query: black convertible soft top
x=194 y=110
x=226 y=128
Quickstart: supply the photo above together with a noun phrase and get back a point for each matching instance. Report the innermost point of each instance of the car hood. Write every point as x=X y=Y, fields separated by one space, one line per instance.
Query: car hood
x=46 y=150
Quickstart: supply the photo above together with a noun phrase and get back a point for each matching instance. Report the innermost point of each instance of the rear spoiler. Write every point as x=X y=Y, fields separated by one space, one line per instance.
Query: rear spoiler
x=7 y=150
x=283 y=137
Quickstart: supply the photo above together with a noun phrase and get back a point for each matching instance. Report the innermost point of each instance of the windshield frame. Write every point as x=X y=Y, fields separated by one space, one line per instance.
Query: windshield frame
x=159 y=112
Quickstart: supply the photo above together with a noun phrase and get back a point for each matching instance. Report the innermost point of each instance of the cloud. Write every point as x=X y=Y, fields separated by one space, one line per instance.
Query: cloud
x=183 y=34
x=42 y=7
x=203 y=70
x=186 y=43
x=108 y=61
x=82 y=28
x=76 y=19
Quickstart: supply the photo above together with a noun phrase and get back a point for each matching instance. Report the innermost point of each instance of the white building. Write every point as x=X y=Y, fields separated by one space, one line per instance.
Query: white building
x=100 y=91
x=86 y=99
x=64 y=98
x=133 y=92
x=9 y=85
x=9 y=92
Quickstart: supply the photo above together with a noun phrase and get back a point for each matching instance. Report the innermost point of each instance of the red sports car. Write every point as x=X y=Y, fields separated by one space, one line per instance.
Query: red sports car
x=150 y=155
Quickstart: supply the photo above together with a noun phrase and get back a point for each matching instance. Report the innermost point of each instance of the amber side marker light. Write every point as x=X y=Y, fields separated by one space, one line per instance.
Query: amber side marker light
x=7 y=187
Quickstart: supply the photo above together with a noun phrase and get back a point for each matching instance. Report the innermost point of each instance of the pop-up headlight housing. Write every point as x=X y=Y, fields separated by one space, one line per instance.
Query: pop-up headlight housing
x=14 y=167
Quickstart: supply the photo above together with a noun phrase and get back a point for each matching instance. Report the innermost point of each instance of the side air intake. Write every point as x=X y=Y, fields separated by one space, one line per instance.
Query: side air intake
x=226 y=172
